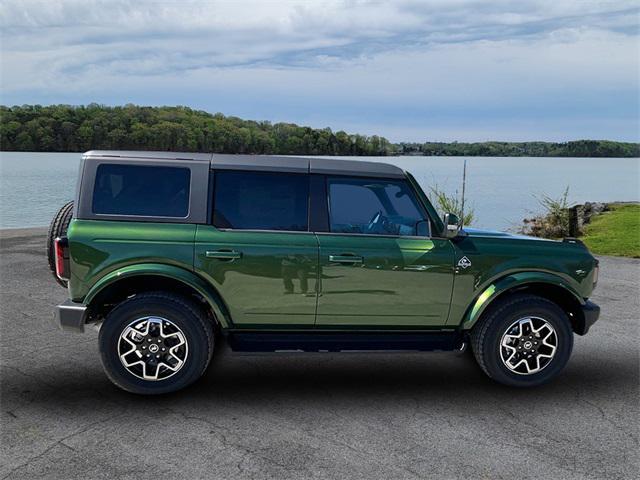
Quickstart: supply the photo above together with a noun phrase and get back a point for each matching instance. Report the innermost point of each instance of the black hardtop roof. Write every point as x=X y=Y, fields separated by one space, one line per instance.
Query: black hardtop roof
x=270 y=163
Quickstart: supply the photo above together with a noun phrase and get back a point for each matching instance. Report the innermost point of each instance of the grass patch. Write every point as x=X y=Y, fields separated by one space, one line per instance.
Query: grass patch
x=616 y=232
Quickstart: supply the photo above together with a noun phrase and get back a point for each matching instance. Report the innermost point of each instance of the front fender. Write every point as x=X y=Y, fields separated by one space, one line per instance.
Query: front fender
x=169 y=271
x=496 y=288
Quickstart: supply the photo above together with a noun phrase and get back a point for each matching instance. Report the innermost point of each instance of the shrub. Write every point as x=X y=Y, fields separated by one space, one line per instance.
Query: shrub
x=448 y=203
x=554 y=222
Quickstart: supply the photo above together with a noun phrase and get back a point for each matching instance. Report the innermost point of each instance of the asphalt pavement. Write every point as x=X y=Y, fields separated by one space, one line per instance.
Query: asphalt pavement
x=299 y=416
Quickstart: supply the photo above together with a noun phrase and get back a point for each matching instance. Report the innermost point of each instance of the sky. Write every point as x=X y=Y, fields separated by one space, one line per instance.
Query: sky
x=429 y=70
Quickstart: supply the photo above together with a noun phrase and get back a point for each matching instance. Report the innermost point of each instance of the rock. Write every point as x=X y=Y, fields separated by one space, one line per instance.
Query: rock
x=584 y=213
x=550 y=226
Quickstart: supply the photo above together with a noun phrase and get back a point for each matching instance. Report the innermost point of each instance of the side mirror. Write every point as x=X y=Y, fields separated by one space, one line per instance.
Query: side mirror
x=423 y=228
x=451 y=225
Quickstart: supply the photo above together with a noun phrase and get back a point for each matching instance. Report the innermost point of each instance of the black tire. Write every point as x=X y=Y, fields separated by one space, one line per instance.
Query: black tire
x=184 y=313
x=58 y=228
x=487 y=335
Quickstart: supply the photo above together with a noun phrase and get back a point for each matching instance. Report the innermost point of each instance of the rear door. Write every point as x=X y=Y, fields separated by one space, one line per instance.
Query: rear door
x=257 y=251
x=375 y=270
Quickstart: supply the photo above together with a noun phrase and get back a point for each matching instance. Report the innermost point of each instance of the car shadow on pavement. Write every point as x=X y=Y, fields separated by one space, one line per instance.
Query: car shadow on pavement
x=292 y=379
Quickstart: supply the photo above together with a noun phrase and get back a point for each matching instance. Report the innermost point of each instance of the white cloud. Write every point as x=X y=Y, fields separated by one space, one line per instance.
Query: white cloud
x=409 y=62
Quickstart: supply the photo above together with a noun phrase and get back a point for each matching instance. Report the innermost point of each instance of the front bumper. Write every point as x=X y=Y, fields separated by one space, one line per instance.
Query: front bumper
x=590 y=313
x=70 y=316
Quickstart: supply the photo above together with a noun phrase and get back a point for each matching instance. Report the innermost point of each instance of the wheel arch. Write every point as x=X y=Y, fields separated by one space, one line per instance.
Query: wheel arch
x=122 y=283
x=541 y=284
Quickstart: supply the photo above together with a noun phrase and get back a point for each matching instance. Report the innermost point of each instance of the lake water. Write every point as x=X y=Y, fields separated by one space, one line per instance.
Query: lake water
x=501 y=190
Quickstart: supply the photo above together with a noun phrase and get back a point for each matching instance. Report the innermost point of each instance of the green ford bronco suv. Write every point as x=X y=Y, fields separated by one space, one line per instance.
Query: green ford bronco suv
x=168 y=253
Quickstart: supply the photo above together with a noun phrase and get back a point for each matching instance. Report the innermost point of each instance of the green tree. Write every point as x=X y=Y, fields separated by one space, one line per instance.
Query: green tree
x=94 y=126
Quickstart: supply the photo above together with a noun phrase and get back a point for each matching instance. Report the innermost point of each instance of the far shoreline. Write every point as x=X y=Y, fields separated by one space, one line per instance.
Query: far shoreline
x=180 y=128
x=394 y=155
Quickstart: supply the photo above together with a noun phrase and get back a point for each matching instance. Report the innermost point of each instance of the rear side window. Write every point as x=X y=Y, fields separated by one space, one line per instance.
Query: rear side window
x=372 y=207
x=261 y=201
x=134 y=190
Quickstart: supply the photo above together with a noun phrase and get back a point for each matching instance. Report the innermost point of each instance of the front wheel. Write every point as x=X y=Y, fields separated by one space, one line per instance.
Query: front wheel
x=524 y=341
x=155 y=343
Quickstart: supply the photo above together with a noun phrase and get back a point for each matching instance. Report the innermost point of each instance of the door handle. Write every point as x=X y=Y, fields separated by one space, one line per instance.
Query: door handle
x=223 y=254
x=351 y=259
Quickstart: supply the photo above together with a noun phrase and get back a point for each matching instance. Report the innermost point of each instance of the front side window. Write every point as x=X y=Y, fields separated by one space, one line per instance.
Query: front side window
x=140 y=190
x=261 y=201
x=372 y=207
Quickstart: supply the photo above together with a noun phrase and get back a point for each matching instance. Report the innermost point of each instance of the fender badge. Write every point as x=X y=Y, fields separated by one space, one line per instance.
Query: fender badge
x=464 y=262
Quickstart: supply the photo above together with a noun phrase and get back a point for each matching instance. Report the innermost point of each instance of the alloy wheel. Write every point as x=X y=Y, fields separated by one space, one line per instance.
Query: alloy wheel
x=528 y=345
x=152 y=348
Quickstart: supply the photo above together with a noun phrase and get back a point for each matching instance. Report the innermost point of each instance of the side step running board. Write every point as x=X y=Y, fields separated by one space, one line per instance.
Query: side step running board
x=341 y=342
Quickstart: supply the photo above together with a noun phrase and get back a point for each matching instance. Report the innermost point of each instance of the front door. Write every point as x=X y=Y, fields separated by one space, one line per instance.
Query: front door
x=375 y=272
x=258 y=253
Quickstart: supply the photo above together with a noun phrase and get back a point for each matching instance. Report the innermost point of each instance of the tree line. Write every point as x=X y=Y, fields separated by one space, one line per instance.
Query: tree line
x=65 y=128
x=578 y=148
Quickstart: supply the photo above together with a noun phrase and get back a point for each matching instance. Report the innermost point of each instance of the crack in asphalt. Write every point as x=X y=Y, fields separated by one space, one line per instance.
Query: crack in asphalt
x=316 y=416
x=60 y=442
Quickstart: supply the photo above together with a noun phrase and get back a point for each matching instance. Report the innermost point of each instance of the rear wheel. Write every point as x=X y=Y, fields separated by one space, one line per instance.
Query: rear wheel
x=156 y=343
x=523 y=341
x=58 y=228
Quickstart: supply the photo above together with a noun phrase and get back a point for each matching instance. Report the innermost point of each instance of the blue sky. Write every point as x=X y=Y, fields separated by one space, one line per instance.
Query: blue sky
x=407 y=69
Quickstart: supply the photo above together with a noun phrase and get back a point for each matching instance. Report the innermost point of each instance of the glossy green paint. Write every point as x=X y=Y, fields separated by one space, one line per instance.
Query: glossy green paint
x=168 y=271
x=287 y=280
x=508 y=282
x=401 y=282
x=274 y=282
x=98 y=248
x=500 y=262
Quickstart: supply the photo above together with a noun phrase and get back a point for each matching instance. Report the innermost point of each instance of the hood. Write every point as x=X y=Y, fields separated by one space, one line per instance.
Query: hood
x=475 y=232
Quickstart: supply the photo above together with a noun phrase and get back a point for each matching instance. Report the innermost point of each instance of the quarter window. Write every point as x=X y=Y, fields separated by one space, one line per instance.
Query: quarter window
x=373 y=207
x=261 y=201
x=137 y=190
